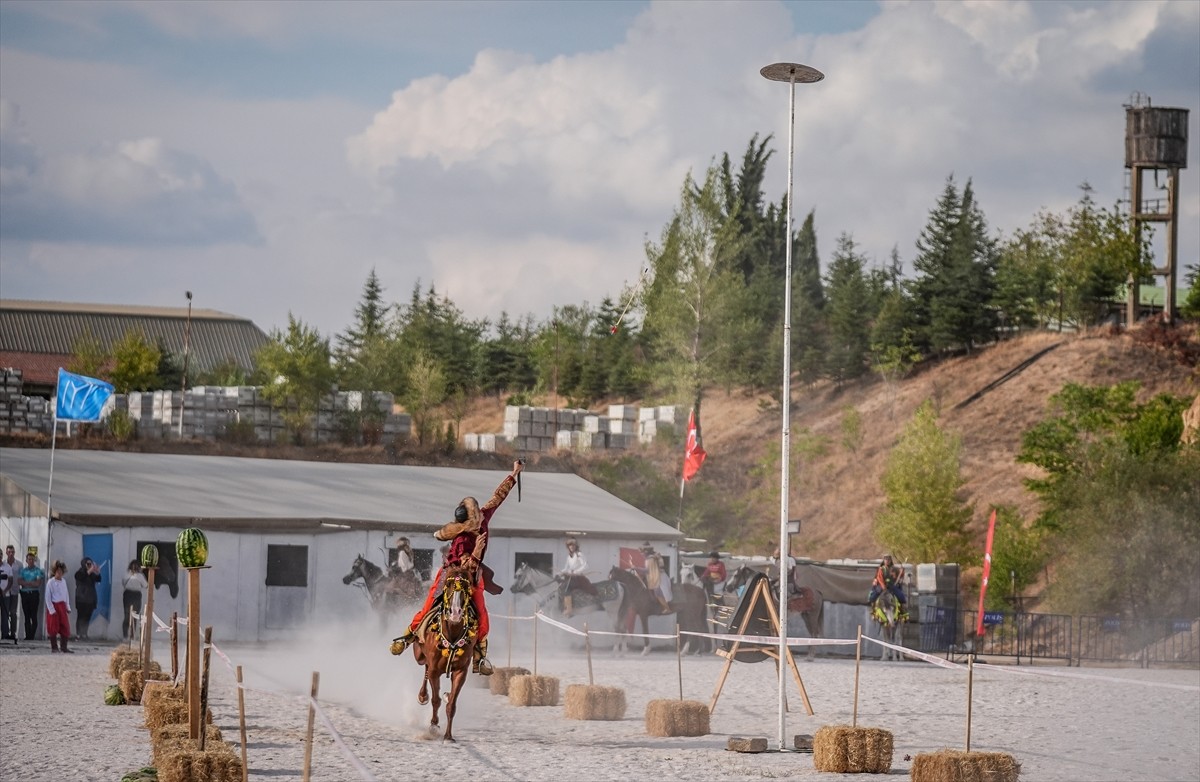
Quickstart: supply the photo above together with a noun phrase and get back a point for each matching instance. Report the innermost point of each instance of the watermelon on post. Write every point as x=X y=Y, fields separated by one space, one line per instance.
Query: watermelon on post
x=191 y=548
x=149 y=556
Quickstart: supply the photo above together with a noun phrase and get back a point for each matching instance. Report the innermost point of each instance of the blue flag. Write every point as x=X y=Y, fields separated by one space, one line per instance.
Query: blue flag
x=80 y=398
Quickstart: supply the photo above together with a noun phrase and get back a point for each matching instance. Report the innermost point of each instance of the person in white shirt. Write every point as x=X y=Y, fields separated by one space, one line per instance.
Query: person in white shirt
x=572 y=578
x=58 y=608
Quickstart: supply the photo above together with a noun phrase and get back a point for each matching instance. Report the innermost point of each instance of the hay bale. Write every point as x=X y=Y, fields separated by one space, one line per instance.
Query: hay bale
x=533 y=691
x=501 y=677
x=677 y=718
x=132 y=683
x=157 y=691
x=217 y=763
x=846 y=750
x=118 y=661
x=168 y=712
x=166 y=739
x=593 y=702
x=949 y=765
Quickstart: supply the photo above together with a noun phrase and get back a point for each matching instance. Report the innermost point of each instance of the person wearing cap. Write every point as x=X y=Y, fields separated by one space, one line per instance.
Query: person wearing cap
x=572 y=578
x=30 y=580
x=714 y=574
x=468 y=540
x=86 y=599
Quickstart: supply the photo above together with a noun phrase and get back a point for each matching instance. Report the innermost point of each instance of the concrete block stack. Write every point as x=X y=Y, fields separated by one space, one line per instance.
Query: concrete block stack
x=20 y=414
x=543 y=429
x=653 y=421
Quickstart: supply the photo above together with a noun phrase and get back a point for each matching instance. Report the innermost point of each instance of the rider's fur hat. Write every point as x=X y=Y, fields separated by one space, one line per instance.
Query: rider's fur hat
x=467 y=518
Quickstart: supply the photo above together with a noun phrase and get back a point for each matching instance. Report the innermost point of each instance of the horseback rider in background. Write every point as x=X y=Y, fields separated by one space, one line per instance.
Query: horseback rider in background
x=655 y=577
x=889 y=576
x=714 y=574
x=470 y=524
x=572 y=577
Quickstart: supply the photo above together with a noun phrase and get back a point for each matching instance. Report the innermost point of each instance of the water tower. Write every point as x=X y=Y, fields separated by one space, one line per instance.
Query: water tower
x=1155 y=140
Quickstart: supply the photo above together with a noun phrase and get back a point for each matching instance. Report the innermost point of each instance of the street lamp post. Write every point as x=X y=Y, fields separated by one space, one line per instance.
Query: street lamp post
x=793 y=74
x=187 y=336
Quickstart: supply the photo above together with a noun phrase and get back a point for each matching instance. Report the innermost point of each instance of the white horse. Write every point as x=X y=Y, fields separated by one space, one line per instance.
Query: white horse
x=545 y=590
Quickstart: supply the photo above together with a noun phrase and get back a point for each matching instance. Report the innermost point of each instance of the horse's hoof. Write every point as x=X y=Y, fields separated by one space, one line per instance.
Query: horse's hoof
x=645 y=651
x=422 y=698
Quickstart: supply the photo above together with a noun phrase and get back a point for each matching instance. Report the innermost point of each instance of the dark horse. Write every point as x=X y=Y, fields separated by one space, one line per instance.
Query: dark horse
x=387 y=593
x=888 y=613
x=447 y=643
x=689 y=604
x=806 y=601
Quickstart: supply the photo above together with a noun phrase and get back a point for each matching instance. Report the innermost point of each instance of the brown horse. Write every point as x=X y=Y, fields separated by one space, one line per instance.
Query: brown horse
x=689 y=603
x=447 y=643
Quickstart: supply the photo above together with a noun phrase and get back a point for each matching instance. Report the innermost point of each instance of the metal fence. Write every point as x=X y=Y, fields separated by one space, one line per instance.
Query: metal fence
x=1035 y=636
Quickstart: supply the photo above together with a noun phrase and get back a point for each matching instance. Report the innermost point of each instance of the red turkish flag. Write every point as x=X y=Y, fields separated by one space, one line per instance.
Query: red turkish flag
x=987 y=571
x=694 y=454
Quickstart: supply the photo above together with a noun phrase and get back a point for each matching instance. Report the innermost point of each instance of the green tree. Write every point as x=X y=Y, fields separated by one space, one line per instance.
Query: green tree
x=366 y=354
x=135 y=363
x=426 y=389
x=296 y=370
x=1018 y=555
x=434 y=325
x=507 y=356
x=848 y=314
x=1099 y=251
x=924 y=519
x=1027 y=277
x=695 y=305
x=89 y=357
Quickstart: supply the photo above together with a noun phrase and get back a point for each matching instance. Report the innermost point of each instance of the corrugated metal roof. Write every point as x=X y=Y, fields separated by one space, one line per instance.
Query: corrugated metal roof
x=46 y=327
x=106 y=488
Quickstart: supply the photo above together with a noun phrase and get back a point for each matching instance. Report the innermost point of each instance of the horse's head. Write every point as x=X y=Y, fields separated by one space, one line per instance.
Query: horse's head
x=355 y=570
x=521 y=584
x=456 y=594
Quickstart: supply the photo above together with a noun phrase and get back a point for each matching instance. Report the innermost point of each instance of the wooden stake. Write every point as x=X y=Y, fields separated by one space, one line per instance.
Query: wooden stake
x=242 y=722
x=312 y=714
x=193 y=653
x=587 y=643
x=204 y=686
x=857 y=663
x=679 y=658
x=174 y=648
x=970 y=686
x=147 y=627
x=535 y=629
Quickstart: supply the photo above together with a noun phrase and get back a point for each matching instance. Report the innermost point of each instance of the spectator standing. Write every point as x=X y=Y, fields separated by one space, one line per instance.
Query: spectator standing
x=86 y=579
x=134 y=586
x=30 y=581
x=10 y=571
x=58 y=608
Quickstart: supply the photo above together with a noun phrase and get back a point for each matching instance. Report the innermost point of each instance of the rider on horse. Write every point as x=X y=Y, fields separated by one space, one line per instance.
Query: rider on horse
x=470 y=523
x=403 y=561
x=655 y=578
x=888 y=576
x=714 y=574
x=572 y=577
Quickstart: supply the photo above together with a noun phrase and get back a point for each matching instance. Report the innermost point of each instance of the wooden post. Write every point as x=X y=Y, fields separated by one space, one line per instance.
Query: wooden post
x=587 y=643
x=970 y=685
x=679 y=658
x=312 y=714
x=857 y=663
x=174 y=648
x=242 y=722
x=535 y=629
x=193 y=653
x=512 y=610
x=147 y=627
x=204 y=686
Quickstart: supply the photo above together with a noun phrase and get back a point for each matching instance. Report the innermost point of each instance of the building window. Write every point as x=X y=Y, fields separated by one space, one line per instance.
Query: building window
x=535 y=560
x=423 y=562
x=287 y=566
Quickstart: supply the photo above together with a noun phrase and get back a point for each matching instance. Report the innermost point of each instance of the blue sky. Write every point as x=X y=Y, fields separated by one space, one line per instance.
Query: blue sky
x=517 y=155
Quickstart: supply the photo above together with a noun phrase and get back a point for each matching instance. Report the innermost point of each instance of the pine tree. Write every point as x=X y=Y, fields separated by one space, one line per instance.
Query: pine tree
x=848 y=313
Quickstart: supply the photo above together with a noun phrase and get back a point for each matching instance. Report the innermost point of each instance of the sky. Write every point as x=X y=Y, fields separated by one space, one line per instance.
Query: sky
x=517 y=156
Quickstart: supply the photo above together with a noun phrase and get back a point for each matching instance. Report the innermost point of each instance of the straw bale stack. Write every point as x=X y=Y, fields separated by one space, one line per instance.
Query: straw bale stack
x=677 y=718
x=166 y=739
x=217 y=763
x=122 y=659
x=533 y=691
x=846 y=750
x=593 y=702
x=501 y=677
x=949 y=765
x=132 y=682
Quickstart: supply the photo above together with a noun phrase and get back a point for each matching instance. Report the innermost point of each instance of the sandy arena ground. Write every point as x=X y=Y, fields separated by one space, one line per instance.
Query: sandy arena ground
x=1062 y=725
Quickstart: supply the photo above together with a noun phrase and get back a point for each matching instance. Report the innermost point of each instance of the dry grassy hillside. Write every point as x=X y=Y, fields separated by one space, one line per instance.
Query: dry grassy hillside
x=837 y=492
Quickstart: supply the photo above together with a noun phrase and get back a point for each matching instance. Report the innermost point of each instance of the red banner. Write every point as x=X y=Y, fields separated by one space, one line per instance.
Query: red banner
x=987 y=571
x=632 y=558
x=694 y=454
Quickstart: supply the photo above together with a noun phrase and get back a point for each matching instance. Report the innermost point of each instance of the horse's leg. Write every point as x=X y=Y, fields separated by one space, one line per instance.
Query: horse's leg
x=645 y=632
x=435 y=699
x=423 y=695
x=456 y=683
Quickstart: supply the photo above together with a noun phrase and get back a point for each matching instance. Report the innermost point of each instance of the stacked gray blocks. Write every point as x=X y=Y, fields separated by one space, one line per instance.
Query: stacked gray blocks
x=544 y=429
x=20 y=414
